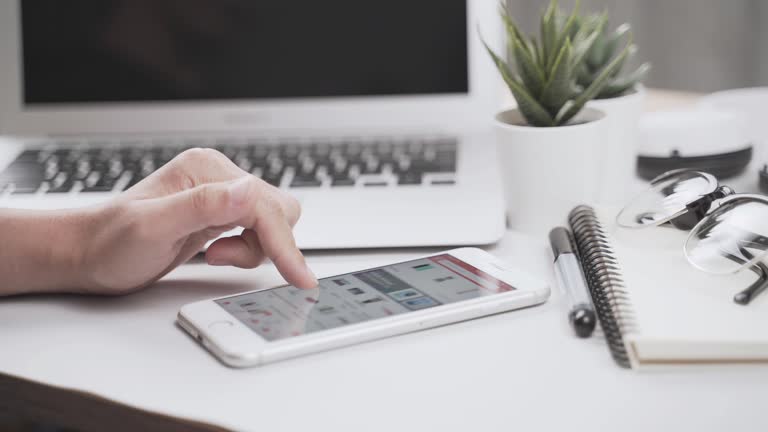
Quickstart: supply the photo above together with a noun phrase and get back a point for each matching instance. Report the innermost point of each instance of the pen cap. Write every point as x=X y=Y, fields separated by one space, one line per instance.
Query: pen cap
x=560 y=240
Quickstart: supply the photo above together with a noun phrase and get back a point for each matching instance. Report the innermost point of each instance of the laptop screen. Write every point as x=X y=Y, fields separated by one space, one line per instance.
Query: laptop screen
x=92 y=51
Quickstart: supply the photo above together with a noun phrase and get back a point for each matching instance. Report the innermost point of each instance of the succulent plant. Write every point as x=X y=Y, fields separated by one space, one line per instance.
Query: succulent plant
x=602 y=51
x=542 y=73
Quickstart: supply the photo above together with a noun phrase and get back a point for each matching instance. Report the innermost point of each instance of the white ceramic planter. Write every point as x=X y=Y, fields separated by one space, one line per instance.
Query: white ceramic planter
x=619 y=144
x=547 y=171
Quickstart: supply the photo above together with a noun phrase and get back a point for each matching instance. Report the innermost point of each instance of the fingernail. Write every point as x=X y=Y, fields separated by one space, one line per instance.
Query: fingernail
x=238 y=191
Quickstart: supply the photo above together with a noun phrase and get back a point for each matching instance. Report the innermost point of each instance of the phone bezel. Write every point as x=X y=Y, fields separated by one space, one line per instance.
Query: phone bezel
x=238 y=346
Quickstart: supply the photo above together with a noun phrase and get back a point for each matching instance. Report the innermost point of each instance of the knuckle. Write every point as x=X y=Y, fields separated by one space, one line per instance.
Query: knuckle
x=269 y=205
x=192 y=155
x=185 y=180
x=201 y=198
x=219 y=156
x=200 y=156
x=204 y=165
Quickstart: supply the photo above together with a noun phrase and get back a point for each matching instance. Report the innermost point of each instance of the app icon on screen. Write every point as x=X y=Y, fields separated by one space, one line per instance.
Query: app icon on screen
x=420 y=303
x=371 y=300
x=404 y=294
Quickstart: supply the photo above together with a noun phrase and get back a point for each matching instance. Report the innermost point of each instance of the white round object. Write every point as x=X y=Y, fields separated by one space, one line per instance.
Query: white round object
x=690 y=133
x=750 y=102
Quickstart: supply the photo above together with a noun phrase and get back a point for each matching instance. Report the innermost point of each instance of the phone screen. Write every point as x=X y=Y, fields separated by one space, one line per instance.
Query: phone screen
x=352 y=298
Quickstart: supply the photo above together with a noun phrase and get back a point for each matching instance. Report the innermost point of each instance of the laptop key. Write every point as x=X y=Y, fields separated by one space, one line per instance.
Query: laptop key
x=444 y=182
x=370 y=168
x=135 y=178
x=25 y=189
x=272 y=178
x=104 y=184
x=64 y=187
x=343 y=181
x=29 y=156
x=305 y=181
x=409 y=178
x=26 y=177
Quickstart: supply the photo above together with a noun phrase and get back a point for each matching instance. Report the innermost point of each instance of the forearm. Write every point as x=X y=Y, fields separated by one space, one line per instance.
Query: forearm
x=40 y=250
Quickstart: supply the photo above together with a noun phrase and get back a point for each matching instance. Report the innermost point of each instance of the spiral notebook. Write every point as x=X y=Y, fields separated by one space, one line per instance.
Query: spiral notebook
x=657 y=309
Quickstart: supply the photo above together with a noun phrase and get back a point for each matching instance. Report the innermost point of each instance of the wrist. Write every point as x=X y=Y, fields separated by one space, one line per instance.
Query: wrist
x=68 y=258
x=43 y=250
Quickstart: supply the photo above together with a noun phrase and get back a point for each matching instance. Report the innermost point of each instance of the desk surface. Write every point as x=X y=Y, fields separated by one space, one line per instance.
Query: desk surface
x=107 y=362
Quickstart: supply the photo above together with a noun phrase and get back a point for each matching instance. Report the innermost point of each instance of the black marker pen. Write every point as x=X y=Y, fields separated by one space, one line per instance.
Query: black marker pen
x=570 y=277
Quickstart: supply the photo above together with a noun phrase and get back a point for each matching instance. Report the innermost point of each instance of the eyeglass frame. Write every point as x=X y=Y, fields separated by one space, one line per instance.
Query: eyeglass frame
x=698 y=210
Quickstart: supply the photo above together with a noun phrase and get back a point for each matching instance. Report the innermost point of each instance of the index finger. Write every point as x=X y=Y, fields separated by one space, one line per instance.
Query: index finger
x=264 y=214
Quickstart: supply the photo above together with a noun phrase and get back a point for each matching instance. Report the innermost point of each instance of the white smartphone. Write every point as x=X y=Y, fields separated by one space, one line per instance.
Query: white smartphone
x=269 y=325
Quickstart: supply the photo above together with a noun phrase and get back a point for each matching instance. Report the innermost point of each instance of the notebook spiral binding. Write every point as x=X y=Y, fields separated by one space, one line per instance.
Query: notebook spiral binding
x=604 y=279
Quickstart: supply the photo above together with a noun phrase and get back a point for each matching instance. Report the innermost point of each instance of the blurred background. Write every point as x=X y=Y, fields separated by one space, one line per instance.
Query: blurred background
x=694 y=45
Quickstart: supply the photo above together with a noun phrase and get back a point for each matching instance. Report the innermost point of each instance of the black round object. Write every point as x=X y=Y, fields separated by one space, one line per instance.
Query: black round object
x=722 y=165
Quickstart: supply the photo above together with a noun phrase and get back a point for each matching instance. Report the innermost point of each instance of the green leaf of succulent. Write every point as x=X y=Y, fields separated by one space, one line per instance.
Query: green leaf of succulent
x=532 y=76
x=564 y=34
x=612 y=42
x=501 y=65
x=584 y=77
x=557 y=89
x=602 y=53
x=582 y=46
x=571 y=62
x=598 y=54
x=537 y=49
x=548 y=32
x=533 y=113
x=632 y=51
x=531 y=110
x=533 y=49
x=619 y=87
x=593 y=90
x=513 y=30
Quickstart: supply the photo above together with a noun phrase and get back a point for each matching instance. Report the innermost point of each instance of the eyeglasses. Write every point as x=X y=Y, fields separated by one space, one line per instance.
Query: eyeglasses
x=728 y=231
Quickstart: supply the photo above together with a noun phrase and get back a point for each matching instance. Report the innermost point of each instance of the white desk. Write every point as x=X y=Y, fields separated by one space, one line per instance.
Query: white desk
x=522 y=370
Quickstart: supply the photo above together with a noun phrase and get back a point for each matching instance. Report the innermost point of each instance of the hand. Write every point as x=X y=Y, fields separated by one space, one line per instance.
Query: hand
x=167 y=218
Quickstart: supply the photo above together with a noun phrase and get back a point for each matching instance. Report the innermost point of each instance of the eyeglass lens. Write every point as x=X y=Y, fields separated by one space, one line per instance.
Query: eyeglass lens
x=666 y=199
x=730 y=238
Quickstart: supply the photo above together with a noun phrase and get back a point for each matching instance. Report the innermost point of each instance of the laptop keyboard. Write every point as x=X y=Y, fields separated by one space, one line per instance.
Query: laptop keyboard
x=62 y=167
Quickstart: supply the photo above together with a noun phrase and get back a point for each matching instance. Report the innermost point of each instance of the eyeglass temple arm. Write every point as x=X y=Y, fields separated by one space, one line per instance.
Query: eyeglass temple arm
x=761 y=270
x=756 y=239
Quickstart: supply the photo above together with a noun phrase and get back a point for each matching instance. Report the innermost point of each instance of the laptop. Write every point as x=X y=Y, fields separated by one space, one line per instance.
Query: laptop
x=376 y=116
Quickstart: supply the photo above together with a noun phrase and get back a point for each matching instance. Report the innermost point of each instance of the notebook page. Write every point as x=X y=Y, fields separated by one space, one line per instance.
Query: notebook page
x=682 y=314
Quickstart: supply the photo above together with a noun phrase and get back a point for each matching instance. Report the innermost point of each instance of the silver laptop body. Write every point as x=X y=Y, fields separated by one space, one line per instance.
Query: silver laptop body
x=376 y=116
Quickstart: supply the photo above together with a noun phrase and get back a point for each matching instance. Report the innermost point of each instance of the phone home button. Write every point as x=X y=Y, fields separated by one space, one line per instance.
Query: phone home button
x=218 y=325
